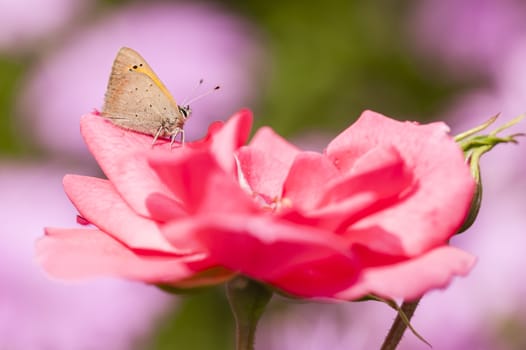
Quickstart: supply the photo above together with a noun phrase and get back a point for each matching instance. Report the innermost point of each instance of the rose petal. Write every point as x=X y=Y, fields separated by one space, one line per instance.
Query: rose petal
x=120 y=154
x=445 y=186
x=307 y=179
x=233 y=135
x=203 y=186
x=80 y=253
x=266 y=139
x=409 y=280
x=279 y=253
x=265 y=163
x=365 y=192
x=99 y=203
x=381 y=171
x=123 y=154
x=339 y=202
x=374 y=129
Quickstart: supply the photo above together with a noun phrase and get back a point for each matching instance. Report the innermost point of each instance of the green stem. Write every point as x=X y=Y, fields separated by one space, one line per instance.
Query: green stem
x=248 y=300
x=399 y=326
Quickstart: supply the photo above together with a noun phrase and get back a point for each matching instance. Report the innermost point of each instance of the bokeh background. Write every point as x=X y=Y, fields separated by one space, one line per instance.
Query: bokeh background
x=305 y=68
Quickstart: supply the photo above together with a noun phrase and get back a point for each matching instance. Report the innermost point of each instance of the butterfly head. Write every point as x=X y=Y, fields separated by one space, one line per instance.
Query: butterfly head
x=185 y=111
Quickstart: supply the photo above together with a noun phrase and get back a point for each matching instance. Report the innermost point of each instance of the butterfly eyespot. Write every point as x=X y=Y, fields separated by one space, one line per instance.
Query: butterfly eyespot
x=140 y=65
x=135 y=66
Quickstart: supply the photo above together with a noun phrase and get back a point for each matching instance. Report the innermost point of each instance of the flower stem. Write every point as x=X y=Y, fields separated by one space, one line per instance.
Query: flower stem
x=399 y=326
x=248 y=300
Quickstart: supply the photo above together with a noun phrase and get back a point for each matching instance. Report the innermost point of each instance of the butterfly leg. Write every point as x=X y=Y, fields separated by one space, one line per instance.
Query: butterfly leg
x=176 y=132
x=157 y=134
x=182 y=136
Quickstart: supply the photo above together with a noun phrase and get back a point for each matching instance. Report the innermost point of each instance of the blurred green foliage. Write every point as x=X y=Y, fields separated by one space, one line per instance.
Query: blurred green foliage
x=334 y=59
x=11 y=71
x=202 y=321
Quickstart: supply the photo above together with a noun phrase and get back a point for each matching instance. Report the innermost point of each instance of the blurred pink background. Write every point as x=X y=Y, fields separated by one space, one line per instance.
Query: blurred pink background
x=69 y=46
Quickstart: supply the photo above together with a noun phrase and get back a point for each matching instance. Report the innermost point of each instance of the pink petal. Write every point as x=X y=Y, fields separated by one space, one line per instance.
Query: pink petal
x=299 y=259
x=266 y=139
x=381 y=171
x=377 y=186
x=80 y=253
x=233 y=135
x=374 y=129
x=436 y=210
x=99 y=203
x=120 y=154
x=262 y=172
x=123 y=154
x=203 y=186
x=308 y=176
x=338 y=202
x=413 y=278
x=266 y=162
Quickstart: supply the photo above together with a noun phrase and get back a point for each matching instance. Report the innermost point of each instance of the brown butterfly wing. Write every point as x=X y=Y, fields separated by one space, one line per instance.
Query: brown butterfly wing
x=135 y=98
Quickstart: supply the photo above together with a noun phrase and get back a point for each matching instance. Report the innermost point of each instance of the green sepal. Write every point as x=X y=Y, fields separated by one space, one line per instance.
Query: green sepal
x=474 y=146
x=183 y=291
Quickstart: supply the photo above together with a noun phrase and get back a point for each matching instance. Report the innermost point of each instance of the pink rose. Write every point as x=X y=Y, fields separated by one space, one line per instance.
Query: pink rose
x=373 y=213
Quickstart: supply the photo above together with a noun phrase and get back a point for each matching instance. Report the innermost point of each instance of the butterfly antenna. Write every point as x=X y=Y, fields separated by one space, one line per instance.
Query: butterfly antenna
x=185 y=101
x=198 y=97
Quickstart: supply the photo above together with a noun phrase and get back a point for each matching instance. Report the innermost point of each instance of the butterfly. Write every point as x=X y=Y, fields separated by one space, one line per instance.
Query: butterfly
x=137 y=100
